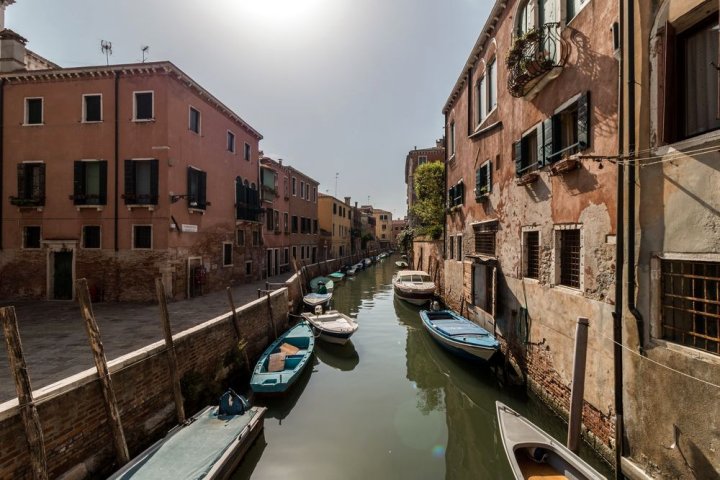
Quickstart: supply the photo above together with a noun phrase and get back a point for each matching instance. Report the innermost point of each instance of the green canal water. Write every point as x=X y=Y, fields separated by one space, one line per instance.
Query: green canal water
x=389 y=405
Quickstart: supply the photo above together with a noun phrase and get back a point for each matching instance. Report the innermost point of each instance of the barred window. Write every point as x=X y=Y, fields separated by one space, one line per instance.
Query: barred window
x=570 y=258
x=485 y=234
x=531 y=253
x=690 y=303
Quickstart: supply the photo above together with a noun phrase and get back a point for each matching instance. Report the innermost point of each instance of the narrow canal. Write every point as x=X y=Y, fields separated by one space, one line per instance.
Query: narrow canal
x=389 y=405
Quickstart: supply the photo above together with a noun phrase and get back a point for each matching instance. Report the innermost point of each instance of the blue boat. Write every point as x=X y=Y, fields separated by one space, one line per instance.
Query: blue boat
x=210 y=445
x=337 y=276
x=282 y=362
x=459 y=335
x=327 y=282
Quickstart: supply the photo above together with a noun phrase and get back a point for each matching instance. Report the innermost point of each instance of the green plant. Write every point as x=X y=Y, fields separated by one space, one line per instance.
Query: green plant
x=429 y=209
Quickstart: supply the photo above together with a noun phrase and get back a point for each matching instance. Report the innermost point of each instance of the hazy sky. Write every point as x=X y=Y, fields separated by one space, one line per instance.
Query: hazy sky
x=334 y=86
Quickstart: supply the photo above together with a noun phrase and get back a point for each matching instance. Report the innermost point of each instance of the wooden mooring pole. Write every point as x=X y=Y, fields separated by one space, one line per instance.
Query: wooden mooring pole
x=242 y=343
x=28 y=411
x=270 y=312
x=121 y=449
x=170 y=349
x=578 y=384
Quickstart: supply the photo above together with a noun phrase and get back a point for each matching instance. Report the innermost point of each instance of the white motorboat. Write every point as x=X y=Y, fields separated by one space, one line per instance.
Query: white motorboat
x=413 y=286
x=332 y=326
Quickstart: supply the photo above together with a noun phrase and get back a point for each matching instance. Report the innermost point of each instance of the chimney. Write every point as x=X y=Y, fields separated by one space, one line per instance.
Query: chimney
x=347 y=200
x=12 y=51
x=3 y=4
x=280 y=161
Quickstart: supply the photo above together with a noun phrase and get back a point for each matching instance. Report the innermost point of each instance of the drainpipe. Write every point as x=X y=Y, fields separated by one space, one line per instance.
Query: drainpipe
x=2 y=152
x=619 y=263
x=117 y=160
x=445 y=189
x=631 y=178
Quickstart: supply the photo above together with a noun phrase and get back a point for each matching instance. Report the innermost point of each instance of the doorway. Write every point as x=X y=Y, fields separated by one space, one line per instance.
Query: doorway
x=62 y=275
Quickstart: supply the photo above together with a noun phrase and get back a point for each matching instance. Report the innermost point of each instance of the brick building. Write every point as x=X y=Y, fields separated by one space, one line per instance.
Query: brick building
x=121 y=174
x=413 y=160
x=335 y=218
x=275 y=194
x=531 y=224
x=304 y=228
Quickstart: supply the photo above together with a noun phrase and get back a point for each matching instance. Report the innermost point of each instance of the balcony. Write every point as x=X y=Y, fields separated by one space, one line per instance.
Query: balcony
x=536 y=57
x=32 y=202
x=247 y=204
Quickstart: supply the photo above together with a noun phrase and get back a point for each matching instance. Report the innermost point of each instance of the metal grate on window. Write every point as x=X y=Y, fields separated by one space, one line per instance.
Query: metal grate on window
x=570 y=258
x=690 y=302
x=485 y=234
x=532 y=247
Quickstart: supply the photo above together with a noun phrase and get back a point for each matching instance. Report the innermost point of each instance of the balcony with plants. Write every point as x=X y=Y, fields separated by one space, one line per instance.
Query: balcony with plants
x=536 y=57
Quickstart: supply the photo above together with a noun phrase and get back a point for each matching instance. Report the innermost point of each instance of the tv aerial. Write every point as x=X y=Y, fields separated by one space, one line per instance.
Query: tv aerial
x=106 y=48
x=145 y=51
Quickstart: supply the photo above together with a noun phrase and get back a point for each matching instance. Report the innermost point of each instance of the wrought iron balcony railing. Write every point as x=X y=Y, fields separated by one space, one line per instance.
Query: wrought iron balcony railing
x=534 y=55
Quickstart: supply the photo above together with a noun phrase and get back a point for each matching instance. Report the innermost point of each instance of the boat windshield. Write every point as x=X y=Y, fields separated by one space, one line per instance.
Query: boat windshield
x=416 y=278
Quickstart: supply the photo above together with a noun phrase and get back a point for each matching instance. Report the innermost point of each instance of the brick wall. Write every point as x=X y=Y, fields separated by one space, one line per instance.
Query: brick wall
x=72 y=413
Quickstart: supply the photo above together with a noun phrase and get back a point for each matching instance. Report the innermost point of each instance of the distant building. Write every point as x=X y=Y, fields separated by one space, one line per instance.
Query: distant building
x=304 y=228
x=275 y=194
x=383 y=228
x=414 y=159
x=335 y=217
x=397 y=227
x=121 y=174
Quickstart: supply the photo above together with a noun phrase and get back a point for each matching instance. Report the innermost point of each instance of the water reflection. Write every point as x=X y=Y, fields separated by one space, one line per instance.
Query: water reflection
x=340 y=357
x=280 y=406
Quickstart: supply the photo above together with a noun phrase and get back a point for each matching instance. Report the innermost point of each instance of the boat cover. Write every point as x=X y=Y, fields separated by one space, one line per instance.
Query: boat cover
x=193 y=450
x=458 y=327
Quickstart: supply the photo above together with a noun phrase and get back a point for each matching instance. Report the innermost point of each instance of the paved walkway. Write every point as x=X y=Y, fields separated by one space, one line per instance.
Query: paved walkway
x=56 y=346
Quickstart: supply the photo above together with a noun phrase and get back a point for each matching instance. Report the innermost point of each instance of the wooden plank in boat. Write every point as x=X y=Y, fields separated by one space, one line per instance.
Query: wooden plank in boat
x=288 y=349
x=538 y=471
x=276 y=363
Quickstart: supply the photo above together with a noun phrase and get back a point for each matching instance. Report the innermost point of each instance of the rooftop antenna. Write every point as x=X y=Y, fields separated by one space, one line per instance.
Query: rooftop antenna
x=145 y=50
x=106 y=48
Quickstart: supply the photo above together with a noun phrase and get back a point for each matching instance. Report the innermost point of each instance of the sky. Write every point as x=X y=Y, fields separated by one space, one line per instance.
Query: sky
x=339 y=89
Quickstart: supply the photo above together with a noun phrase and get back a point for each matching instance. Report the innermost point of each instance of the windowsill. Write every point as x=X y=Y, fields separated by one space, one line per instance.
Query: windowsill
x=689 y=352
x=227 y=266
x=143 y=120
x=32 y=248
x=33 y=124
x=99 y=208
x=91 y=122
x=141 y=249
x=39 y=208
x=194 y=132
x=481 y=130
x=138 y=205
x=702 y=140
x=566 y=289
x=201 y=211
x=531 y=280
x=90 y=248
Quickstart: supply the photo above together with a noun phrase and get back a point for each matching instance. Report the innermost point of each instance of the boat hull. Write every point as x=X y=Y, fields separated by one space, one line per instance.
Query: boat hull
x=464 y=338
x=326 y=331
x=264 y=381
x=416 y=297
x=461 y=350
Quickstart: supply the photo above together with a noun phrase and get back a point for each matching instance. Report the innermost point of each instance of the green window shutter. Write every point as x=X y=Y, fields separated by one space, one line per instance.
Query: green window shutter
x=103 y=183
x=451 y=197
x=129 y=182
x=478 y=182
x=21 y=180
x=549 y=144
x=583 y=125
x=517 y=153
x=540 y=145
x=489 y=176
x=202 y=189
x=154 y=177
x=79 y=183
x=191 y=181
x=41 y=182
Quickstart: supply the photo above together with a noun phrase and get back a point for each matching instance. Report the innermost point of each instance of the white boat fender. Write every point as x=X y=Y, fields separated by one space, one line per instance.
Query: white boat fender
x=318 y=310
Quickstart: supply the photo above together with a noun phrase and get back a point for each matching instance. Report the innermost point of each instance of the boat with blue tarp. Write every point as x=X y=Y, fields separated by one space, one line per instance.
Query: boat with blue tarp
x=318 y=282
x=459 y=335
x=282 y=362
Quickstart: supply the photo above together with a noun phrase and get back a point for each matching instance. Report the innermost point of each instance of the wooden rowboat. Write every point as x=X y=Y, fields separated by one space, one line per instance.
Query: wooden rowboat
x=535 y=454
x=332 y=326
x=314 y=299
x=459 y=335
x=282 y=362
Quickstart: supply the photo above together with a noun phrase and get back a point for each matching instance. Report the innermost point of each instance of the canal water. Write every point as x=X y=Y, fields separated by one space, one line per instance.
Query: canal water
x=389 y=405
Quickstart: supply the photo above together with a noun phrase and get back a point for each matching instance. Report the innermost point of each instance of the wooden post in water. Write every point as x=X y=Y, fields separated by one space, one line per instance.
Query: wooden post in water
x=121 y=449
x=578 y=384
x=270 y=311
x=170 y=348
x=28 y=411
x=242 y=344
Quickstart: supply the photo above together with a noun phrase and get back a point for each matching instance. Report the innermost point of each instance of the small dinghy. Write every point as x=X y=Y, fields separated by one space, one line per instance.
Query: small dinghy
x=535 y=454
x=367 y=262
x=459 y=335
x=350 y=272
x=315 y=284
x=332 y=326
x=313 y=300
x=210 y=445
x=359 y=266
x=283 y=361
x=401 y=264
x=337 y=276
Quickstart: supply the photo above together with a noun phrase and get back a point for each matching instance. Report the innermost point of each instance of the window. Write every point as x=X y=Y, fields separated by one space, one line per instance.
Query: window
x=294 y=224
x=230 y=142
x=485 y=234
x=456 y=194
x=334 y=208
x=90 y=183
x=142 y=236
x=422 y=159
x=256 y=238
x=92 y=108
x=526 y=152
x=294 y=252
x=286 y=255
x=141 y=182
x=384 y=227
x=568 y=257
x=196 y=188
x=573 y=7
x=91 y=236
x=31 y=184
x=31 y=237
x=492 y=85
x=459 y=247
x=143 y=106
x=484 y=286
x=315 y=226
x=294 y=186
x=276 y=221
x=302 y=189
x=451 y=137
x=194 y=120
x=690 y=303
x=286 y=222
x=480 y=91
x=531 y=254
x=269 y=220
x=34 y=111
x=240 y=237
x=314 y=196
x=227 y=254
x=567 y=132
x=483 y=181
x=247 y=152
x=451 y=249
x=248 y=267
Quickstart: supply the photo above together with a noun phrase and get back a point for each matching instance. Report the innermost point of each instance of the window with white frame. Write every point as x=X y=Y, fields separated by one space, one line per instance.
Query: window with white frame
x=227 y=254
x=451 y=249
x=240 y=238
x=492 y=85
x=483 y=180
x=34 y=111
x=451 y=138
x=422 y=160
x=294 y=186
x=456 y=194
x=459 y=247
x=480 y=91
x=92 y=108
x=143 y=106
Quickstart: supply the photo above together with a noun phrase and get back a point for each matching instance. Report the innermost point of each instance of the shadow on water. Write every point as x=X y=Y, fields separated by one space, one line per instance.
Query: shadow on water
x=280 y=405
x=339 y=357
x=252 y=457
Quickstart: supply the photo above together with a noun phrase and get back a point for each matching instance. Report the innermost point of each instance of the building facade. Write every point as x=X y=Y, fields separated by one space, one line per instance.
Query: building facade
x=531 y=226
x=122 y=174
x=383 y=228
x=275 y=194
x=304 y=228
x=413 y=160
x=335 y=218
x=397 y=227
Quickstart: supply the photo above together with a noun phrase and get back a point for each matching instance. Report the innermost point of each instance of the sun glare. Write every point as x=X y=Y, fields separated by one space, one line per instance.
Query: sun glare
x=281 y=12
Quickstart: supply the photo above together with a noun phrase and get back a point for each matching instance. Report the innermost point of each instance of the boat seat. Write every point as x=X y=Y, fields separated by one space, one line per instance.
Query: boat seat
x=532 y=470
x=288 y=349
x=276 y=362
x=457 y=327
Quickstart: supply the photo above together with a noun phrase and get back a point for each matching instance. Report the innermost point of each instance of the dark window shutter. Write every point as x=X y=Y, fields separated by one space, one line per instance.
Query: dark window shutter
x=517 y=153
x=41 y=182
x=583 y=126
x=79 y=183
x=154 y=174
x=489 y=176
x=238 y=191
x=129 y=182
x=669 y=93
x=549 y=144
x=478 y=182
x=451 y=197
x=540 y=145
x=461 y=193
x=191 y=182
x=202 y=190
x=103 y=183
x=21 y=181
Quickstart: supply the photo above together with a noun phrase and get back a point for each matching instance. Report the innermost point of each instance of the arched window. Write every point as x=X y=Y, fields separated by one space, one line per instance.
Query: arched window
x=247 y=184
x=252 y=185
x=536 y=13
